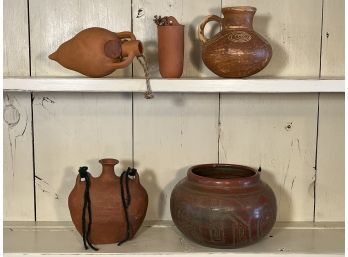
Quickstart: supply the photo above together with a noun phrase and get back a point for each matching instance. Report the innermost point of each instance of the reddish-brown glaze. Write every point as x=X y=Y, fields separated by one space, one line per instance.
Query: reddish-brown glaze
x=97 y=52
x=108 y=218
x=223 y=205
x=237 y=50
x=171 y=49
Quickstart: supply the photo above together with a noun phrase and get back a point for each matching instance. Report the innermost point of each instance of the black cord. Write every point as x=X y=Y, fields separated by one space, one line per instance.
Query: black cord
x=86 y=204
x=126 y=200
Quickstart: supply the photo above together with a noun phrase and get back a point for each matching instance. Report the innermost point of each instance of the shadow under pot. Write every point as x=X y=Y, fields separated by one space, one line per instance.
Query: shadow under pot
x=223 y=205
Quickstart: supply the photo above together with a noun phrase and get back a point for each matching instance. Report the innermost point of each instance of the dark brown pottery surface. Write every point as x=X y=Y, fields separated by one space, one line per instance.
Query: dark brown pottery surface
x=223 y=205
x=237 y=50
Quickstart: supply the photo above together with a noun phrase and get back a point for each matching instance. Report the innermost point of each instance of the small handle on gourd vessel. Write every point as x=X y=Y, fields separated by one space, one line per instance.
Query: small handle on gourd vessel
x=136 y=178
x=126 y=34
x=125 y=63
x=201 y=26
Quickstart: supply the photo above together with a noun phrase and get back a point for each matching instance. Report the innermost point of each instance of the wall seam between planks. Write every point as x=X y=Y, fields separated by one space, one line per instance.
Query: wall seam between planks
x=318 y=116
x=321 y=36
x=131 y=10
x=131 y=14
x=219 y=127
x=219 y=110
x=32 y=115
x=316 y=161
x=132 y=130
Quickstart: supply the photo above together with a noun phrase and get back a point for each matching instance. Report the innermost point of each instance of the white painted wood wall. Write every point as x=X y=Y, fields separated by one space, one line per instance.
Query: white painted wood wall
x=47 y=136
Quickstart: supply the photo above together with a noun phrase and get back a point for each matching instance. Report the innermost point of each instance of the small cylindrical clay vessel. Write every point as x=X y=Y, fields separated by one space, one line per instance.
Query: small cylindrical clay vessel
x=171 y=49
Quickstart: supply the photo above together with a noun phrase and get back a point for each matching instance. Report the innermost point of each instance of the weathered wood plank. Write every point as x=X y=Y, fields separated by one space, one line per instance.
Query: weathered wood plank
x=293 y=28
x=16 y=39
x=174 y=85
x=278 y=134
x=102 y=123
x=330 y=164
x=171 y=133
x=189 y=13
x=332 y=57
x=53 y=22
x=72 y=130
x=18 y=158
x=163 y=239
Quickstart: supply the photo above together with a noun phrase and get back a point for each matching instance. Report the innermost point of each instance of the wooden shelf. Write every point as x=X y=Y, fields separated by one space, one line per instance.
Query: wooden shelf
x=159 y=238
x=173 y=85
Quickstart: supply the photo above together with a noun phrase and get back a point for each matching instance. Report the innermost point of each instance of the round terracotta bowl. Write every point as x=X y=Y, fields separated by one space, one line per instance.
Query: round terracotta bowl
x=223 y=205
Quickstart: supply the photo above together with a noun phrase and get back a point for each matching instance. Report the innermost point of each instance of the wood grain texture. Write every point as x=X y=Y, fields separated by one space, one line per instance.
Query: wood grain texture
x=73 y=130
x=293 y=28
x=278 y=134
x=188 y=13
x=18 y=185
x=331 y=159
x=54 y=22
x=174 y=85
x=171 y=133
x=57 y=239
x=15 y=38
x=332 y=56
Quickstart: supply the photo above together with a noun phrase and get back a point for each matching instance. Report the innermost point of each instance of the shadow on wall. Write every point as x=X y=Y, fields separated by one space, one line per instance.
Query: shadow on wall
x=151 y=53
x=149 y=182
x=67 y=184
x=282 y=196
x=159 y=199
x=211 y=29
x=279 y=58
x=196 y=50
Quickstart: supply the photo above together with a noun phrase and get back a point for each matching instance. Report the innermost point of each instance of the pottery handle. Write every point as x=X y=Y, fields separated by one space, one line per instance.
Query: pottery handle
x=136 y=178
x=125 y=63
x=126 y=34
x=201 y=26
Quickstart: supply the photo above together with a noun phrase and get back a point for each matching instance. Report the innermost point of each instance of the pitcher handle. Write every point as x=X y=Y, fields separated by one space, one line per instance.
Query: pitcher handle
x=201 y=26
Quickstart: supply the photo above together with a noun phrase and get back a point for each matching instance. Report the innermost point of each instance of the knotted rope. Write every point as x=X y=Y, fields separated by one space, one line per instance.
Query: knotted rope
x=126 y=199
x=86 y=205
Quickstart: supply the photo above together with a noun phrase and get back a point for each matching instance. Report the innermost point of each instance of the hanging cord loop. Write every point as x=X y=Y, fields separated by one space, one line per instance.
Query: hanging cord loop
x=126 y=199
x=86 y=205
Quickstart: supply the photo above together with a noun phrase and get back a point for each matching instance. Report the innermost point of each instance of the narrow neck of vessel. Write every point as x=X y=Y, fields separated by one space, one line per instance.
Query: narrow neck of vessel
x=108 y=172
x=238 y=17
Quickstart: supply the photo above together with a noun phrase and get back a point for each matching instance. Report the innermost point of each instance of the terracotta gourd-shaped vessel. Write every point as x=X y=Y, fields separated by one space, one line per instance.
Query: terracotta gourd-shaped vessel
x=237 y=50
x=108 y=215
x=97 y=52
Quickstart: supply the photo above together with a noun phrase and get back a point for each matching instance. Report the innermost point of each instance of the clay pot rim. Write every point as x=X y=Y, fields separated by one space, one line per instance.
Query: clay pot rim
x=240 y=9
x=173 y=26
x=109 y=161
x=248 y=180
